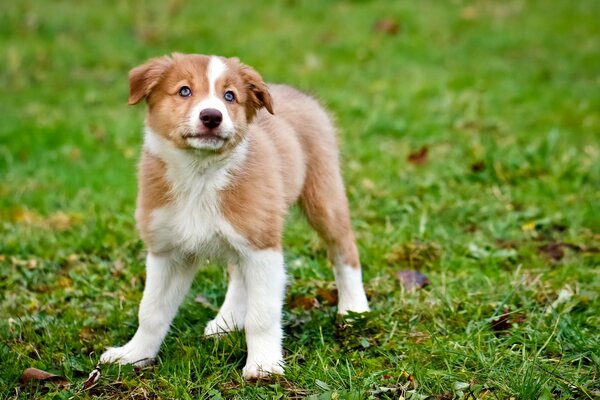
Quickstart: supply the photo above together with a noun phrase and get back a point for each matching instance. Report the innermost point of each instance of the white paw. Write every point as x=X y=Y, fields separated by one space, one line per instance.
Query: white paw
x=127 y=354
x=220 y=327
x=358 y=305
x=262 y=370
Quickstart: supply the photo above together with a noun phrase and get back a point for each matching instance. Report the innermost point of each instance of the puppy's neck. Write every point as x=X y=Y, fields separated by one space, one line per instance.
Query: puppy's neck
x=186 y=166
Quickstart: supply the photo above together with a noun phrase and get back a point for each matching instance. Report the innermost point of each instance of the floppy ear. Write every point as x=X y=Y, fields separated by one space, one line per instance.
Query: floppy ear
x=143 y=79
x=258 y=93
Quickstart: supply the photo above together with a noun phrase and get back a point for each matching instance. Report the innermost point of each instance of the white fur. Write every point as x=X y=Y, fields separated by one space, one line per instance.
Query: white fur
x=216 y=68
x=233 y=311
x=193 y=223
x=167 y=282
x=264 y=274
x=351 y=292
x=190 y=227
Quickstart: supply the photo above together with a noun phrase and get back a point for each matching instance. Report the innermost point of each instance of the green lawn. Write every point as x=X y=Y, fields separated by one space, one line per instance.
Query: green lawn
x=502 y=213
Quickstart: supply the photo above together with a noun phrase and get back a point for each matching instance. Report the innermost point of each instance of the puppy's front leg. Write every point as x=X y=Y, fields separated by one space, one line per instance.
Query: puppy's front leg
x=167 y=282
x=264 y=277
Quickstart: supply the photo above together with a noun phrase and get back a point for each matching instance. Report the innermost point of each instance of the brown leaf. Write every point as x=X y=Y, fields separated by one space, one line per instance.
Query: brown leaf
x=327 y=296
x=37 y=375
x=553 y=251
x=505 y=321
x=387 y=25
x=411 y=279
x=502 y=322
x=418 y=157
x=86 y=334
x=478 y=166
x=93 y=377
x=304 y=302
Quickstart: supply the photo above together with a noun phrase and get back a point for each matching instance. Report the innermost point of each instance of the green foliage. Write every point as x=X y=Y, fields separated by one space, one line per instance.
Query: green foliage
x=501 y=213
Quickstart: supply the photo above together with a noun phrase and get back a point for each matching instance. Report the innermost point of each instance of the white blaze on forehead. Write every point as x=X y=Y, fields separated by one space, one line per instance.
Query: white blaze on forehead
x=216 y=68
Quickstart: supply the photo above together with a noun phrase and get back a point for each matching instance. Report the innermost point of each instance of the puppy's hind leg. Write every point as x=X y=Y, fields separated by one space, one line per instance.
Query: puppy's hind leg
x=325 y=205
x=167 y=282
x=232 y=313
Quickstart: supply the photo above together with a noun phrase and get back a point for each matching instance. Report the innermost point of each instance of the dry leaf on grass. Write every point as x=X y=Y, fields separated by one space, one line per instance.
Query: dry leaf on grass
x=93 y=377
x=304 y=302
x=387 y=25
x=555 y=250
x=411 y=279
x=505 y=321
x=37 y=375
x=323 y=296
x=478 y=166
x=418 y=157
x=327 y=296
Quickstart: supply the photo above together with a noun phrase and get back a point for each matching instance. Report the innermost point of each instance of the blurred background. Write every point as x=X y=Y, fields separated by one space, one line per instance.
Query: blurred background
x=469 y=131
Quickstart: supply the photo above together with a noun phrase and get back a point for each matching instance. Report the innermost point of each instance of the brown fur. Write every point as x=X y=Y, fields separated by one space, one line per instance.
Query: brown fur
x=292 y=154
x=154 y=191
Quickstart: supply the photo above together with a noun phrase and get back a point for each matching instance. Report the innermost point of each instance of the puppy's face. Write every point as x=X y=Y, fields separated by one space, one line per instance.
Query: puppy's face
x=199 y=102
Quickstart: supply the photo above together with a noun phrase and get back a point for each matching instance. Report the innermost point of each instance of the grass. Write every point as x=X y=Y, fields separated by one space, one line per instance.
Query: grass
x=502 y=214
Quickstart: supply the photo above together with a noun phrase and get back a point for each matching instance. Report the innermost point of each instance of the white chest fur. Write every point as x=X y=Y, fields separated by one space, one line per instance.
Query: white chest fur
x=193 y=223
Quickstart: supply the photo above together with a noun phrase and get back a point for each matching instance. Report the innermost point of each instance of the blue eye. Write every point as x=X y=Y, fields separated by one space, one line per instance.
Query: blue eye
x=229 y=96
x=185 y=91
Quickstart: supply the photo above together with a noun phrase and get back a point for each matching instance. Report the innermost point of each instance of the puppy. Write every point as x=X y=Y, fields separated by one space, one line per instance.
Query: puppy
x=224 y=157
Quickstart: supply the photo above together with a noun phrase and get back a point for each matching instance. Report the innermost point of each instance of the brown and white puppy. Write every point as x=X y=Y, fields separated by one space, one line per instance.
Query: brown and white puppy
x=224 y=156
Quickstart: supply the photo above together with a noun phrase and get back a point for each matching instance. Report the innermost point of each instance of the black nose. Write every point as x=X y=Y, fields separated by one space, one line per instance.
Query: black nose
x=211 y=118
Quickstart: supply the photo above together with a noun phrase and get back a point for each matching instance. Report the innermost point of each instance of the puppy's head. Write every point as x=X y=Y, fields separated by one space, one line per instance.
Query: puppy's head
x=197 y=101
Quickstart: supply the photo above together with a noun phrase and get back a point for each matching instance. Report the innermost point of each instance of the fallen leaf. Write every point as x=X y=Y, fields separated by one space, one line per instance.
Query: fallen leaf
x=93 y=377
x=501 y=323
x=553 y=251
x=418 y=157
x=411 y=279
x=86 y=334
x=387 y=25
x=37 y=375
x=478 y=166
x=505 y=321
x=304 y=302
x=327 y=296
